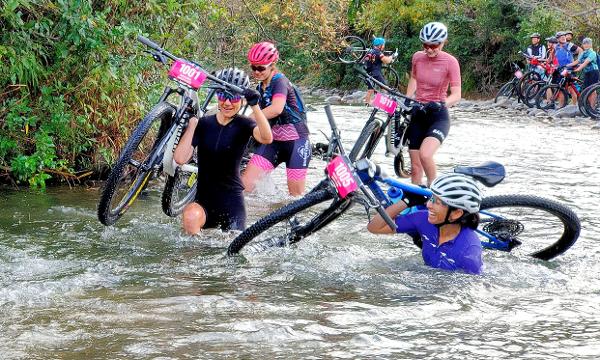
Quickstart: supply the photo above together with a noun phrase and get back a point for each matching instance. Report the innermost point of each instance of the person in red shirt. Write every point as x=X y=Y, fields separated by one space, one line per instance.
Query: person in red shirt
x=433 y=70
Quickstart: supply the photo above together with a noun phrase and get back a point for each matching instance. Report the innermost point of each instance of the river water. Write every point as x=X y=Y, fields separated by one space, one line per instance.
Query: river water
x=71 y=288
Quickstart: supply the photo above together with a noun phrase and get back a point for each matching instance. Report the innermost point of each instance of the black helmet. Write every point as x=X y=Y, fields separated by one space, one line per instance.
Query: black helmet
x=234 y=76
x=552 y=40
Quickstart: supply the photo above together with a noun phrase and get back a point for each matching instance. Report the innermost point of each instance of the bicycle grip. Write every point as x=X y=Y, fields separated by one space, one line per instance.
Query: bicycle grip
x=144 y=40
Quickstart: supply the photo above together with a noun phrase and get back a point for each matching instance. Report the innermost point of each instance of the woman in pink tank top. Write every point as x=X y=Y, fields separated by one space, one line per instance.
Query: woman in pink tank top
x=433 y=71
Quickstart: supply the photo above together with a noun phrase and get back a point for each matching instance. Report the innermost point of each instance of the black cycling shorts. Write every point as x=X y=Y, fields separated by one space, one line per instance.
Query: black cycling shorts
x=224 y=209
x=427 y=124
x=377 y=77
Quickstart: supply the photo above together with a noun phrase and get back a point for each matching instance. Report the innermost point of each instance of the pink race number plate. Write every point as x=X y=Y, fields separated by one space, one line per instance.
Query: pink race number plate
x=341 y=176
x=188 y=74
x=384 y=103
x=518 y=74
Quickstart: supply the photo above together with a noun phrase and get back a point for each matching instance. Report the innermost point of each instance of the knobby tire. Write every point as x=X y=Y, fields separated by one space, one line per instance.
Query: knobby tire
x=285 y=213
x=568 y=220
x=108 y=213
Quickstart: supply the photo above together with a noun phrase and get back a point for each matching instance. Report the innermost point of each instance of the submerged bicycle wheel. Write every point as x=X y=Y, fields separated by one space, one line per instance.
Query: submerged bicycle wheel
x=352 y=50
x=179 y=191
x=132 y=172
x=529 y=225
x=291 y=223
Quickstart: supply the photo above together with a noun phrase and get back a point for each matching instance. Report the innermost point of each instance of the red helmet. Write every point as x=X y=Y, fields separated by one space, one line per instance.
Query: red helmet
x=263 y=53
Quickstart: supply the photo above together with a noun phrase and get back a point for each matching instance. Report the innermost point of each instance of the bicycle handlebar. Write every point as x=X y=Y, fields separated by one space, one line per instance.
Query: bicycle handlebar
x=391 y=91
x=144 y=40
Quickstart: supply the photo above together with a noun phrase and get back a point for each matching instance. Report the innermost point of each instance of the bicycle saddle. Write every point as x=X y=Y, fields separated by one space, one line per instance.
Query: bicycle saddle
x=489 y=173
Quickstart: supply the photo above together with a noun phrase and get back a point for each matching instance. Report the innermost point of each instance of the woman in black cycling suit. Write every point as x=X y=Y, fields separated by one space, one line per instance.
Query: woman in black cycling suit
x=220 y=140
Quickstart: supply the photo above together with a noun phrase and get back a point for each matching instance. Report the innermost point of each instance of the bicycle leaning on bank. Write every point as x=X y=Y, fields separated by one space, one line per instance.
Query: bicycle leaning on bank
x=528 y=224
x=149 y=150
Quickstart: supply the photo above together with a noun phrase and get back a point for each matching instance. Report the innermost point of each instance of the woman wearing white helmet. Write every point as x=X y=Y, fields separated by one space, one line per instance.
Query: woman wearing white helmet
x=433 y=70
x=446 y=227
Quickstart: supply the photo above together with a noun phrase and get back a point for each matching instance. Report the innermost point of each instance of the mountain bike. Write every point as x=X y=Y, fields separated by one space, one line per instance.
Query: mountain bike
x=526 y=224
x=511 y=88
x=556 y=96
x=149 y=150
x=535 y=72
x=353 y=50
x=396 y=119
x=544 y=72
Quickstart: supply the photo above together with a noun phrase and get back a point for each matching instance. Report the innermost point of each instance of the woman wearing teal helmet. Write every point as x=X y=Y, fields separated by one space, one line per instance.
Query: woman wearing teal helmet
x=373 y=62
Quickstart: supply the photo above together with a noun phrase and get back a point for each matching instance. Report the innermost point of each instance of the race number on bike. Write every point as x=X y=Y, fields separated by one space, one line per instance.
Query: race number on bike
x=188 y=74
x=384 y=103
x=341 y=175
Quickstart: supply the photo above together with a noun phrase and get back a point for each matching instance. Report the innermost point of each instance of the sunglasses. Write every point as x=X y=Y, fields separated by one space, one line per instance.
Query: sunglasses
x=259 y=68
x=223 y=96
x=431 y=46
x=434 y=201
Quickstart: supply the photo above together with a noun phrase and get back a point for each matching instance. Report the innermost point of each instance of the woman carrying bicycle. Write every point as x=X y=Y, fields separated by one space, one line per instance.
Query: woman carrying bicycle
x=433 y=70
x=220 y=140
x=373 y=61
x=282 y=105
x=447 y=227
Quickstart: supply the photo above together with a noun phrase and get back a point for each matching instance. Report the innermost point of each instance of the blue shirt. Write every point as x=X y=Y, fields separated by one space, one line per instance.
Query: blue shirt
x=462 y=253
x=592 y=56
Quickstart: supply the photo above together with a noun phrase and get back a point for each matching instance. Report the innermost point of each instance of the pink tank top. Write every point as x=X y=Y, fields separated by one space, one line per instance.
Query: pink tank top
x=433 y=75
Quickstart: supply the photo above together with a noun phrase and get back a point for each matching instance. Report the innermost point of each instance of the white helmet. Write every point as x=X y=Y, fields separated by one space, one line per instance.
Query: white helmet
x=434 y=33
x=458 y=191
x=234 y=76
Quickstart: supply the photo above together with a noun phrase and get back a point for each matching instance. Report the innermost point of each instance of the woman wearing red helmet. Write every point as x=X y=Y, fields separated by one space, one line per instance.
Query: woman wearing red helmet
x=283 y=106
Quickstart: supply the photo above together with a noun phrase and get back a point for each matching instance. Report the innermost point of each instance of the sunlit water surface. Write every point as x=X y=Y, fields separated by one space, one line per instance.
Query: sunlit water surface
x=72 y=288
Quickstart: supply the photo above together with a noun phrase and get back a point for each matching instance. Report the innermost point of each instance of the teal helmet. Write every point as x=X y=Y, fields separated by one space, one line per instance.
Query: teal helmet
x=378 y=41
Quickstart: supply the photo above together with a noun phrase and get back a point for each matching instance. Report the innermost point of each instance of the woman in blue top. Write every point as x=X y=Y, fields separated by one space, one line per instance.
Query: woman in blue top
x=447 y=227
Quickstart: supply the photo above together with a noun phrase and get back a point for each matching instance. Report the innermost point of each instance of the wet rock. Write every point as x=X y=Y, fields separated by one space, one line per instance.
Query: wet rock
x=568 y=111
x=535 y=112
x=334 y=100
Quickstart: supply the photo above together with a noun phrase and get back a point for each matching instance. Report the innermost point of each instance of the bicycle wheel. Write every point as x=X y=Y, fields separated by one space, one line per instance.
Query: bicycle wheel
x=402 y=164
x=367 y=140
x=179 y=191
x=131 y=173
x=391 y=76
x=506 y=92
x=551 y=97
x=528 y=78
x=531 y=92
x=352 y=50
x=531 y=225
x=291 y=223
x=592 y=101
x=581 y=100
